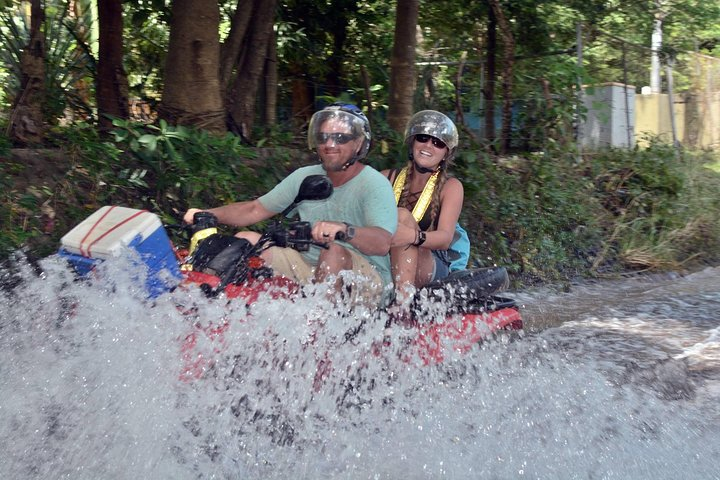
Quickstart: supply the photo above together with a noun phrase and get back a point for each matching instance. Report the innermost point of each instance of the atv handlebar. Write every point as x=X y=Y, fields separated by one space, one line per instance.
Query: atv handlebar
x=297 y=235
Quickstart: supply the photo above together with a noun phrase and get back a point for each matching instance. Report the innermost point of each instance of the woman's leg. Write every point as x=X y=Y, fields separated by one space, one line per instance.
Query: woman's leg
x=425 y=267
x=404 y=257
x=411 y=266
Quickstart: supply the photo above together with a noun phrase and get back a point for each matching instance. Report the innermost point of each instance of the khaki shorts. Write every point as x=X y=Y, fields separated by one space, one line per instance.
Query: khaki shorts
x=289 y=263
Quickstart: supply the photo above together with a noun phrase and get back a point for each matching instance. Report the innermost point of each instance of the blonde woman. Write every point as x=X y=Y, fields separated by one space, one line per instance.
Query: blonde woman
x=429 y=203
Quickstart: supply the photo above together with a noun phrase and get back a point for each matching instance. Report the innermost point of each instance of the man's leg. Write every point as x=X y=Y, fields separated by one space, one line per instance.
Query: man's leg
x=289 y=263
x=359 y=281
x=332 y=261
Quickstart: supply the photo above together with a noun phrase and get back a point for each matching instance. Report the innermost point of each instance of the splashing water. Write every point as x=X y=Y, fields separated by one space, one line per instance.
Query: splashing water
x=96 y=381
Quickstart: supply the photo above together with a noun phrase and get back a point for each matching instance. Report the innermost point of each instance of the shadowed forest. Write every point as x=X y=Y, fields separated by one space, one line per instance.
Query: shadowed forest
x=159 y=105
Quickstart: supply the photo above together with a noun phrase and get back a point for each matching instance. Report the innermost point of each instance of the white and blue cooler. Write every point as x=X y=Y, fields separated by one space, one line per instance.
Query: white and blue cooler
x=110 y=231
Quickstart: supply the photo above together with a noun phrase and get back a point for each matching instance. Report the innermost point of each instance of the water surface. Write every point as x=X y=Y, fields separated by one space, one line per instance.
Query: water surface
x=612 y=380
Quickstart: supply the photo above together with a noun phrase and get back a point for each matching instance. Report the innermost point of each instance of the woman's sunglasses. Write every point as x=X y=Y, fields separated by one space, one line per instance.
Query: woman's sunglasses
x=337 y=138
x=437 y=143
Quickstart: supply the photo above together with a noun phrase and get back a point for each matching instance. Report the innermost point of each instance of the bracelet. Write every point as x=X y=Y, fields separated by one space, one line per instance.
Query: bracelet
x=421 y=237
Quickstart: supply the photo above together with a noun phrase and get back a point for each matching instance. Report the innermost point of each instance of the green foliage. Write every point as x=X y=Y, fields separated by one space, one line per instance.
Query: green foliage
x=69 y=68
x=157 y=167
x=315 y=36
x=544 y=214
x=50 y=195
x=548 y=217
x=5 y=142
x=175 y=167
x=664 y=206
x=12 y=233
x=13 y=33
x=148 y=21
x=523 y=213
x=388 y=149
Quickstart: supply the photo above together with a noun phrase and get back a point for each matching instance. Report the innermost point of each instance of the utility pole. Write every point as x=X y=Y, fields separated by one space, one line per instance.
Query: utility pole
x=655 y=47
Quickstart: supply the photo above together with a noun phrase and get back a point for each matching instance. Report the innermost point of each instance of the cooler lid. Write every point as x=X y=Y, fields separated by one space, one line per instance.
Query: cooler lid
x=109 y=230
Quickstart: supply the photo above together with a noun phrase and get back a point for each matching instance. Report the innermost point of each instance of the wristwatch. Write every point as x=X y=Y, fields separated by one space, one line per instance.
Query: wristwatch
x=349 y=231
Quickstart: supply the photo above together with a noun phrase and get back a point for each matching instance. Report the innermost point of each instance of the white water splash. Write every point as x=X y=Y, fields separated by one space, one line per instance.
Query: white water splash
x=92 y=386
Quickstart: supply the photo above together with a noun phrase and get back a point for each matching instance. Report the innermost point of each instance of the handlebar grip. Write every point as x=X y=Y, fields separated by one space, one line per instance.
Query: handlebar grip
x=340 y=236
x=204 y=219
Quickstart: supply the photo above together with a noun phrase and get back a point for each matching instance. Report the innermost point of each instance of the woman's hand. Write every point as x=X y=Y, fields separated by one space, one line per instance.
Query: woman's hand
x=404 y=236
x=407 y=229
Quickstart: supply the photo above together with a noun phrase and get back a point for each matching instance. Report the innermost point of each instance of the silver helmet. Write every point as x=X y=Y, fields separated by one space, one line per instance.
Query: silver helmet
x=435 y=124
x=357 y=123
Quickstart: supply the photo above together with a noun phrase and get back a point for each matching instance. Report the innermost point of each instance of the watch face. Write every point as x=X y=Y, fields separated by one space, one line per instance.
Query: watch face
x=349 y=231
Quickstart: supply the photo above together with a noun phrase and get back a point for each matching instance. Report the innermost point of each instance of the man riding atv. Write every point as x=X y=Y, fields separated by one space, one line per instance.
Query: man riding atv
x=356 y=223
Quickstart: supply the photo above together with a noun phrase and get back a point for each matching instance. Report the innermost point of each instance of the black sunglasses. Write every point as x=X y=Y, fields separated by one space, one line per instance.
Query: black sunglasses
x=422 y=138
x=337 y=138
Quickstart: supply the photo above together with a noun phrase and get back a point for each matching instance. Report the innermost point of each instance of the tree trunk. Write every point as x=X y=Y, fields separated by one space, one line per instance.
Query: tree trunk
x=241 y=98
x=402 y=64
x=271 y=83
x=508 y=63
x=112 y=83
x=27 y=122
x=233 y=45
x=368 y=93
x=302 y=96
x=335 y=71
x=489 y=87
x=192 y=74
x=459 y=115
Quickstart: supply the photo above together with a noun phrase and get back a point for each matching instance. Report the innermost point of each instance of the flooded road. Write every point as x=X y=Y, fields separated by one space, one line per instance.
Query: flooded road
x=673 y=314
x=614 y=380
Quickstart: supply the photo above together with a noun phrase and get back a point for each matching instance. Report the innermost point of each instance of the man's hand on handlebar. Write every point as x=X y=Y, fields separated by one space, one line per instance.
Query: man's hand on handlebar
x=327 y=232
x=188 y=217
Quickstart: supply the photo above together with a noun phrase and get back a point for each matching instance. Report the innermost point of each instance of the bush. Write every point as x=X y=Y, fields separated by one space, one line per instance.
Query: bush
x=549 y=217
x=545 y=216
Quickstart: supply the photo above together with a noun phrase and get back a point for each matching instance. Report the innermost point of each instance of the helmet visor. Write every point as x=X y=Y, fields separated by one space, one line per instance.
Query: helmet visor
x=430 y=123
x=333 y=125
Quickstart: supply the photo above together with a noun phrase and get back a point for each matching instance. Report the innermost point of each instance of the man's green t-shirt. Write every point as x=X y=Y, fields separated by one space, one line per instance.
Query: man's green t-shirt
x=367 y=200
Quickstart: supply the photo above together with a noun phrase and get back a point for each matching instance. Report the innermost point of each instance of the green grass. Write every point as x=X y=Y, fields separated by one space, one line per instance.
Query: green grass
x=714 y=165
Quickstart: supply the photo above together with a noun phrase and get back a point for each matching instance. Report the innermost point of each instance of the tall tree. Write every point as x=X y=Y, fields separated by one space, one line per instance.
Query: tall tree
x=271 y=84
x=192 y=75
x=337 y=26
x=314 y=38
x=507 y=78
x=112 y=82
x=490 y=75
x=241 y=98
x=301 y=93
x=402 y=64
x=232 y=47
x=27 y=123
